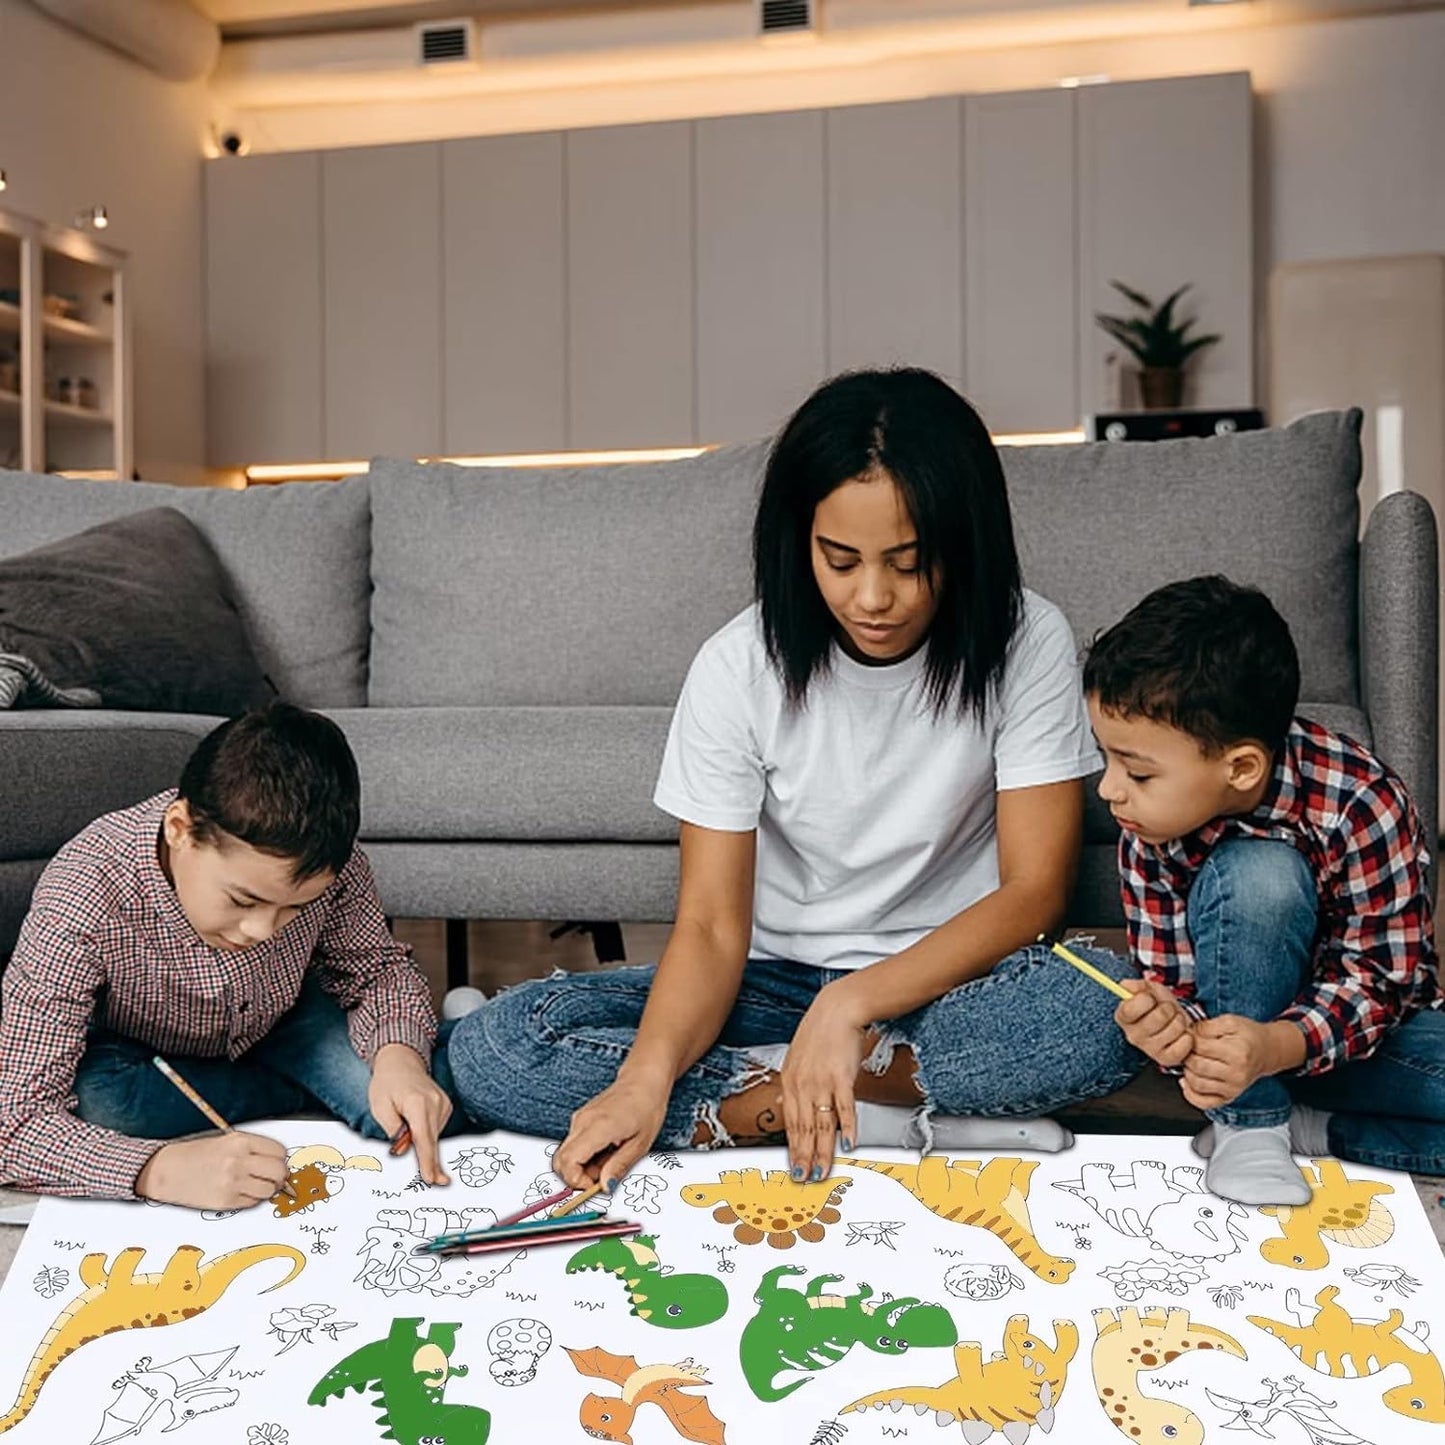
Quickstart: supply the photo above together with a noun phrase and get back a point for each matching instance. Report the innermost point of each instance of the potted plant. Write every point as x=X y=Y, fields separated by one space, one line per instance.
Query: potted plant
x=1160 y=344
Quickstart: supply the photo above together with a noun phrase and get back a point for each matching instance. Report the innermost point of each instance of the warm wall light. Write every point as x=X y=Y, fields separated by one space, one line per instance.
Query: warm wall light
x=95 y=219
x=1039 y=438
x=331 y=471
x=3 y=181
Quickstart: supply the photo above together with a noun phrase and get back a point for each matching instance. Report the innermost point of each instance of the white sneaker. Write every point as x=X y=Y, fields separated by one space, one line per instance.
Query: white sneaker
x=460 y=1002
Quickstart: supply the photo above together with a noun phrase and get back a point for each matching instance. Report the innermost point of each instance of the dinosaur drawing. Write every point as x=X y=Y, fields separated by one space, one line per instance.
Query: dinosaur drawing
x=390 y=1263
x=1175 y=1214
x=314 y=1172
x=1336 y=1343
x=992 y=1196
x=1129 y=1342
x=671 y=1301
x=772 y=1206
x=120 y=1299
x=407 y=1375
x=1294 y=1402
x=1018 y=1388
x=610 y=1417
x=1341 y=1209
x=810 y=1330
x=169 y=1395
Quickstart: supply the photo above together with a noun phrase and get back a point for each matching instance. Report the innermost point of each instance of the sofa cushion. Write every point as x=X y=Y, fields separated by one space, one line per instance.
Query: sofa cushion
x=296 y=554
x=542 y=586
x=1101 y=525
x=524 y=774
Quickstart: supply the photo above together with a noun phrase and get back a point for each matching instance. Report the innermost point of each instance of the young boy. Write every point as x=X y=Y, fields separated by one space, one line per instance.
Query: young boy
x=1274 y=881
x=231 y=926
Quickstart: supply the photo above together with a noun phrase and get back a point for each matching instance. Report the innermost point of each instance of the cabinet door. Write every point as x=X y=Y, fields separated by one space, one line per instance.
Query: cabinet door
x=263 y=309
x=630 y=286
x=381 y=217
x=1164 y=198
x=760 y=271
x=503 y=302
x=1021 y=289
x=895 y=236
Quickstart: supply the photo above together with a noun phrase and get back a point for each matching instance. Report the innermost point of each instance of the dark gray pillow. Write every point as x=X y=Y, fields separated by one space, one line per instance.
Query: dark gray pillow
x=140 y=611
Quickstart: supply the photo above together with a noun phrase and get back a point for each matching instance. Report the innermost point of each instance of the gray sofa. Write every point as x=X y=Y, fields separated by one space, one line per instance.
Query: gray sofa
x=503 y=647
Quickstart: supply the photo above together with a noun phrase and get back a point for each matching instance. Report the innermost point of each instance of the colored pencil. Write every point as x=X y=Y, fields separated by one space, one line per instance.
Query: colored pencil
x=505 y=1231
x=536 y=1208
x=401 y=1141
x=579 y=1201
x=1088 y=969
x=533 y=1241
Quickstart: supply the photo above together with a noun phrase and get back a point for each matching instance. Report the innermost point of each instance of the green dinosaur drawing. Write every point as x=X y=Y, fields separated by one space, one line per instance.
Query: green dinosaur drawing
x=120 y=1299
x=810 y=1330
x=407 y=1373
x=671 y=1301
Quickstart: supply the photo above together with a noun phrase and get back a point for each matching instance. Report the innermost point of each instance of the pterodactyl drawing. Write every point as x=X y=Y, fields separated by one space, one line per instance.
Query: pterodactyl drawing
x=173 y=1393
x=1290 y=1399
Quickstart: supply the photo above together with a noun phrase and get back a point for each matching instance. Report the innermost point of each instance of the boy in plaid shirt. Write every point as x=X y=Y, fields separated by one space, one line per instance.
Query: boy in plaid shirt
x=231 y=925
x=1275 y=889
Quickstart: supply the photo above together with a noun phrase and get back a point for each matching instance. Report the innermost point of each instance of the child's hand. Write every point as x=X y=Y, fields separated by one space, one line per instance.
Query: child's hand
x=403 y=1092
x=1230 y=1054
x=1154 y=1023
x=217 y=1171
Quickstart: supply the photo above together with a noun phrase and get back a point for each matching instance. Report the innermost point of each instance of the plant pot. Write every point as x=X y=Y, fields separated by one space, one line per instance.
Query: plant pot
x=1161 y=388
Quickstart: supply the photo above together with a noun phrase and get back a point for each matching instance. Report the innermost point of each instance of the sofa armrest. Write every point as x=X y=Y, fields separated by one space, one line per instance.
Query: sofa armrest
x=1399 y=645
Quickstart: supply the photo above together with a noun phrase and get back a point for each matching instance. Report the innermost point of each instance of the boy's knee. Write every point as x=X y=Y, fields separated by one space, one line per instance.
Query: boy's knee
x=1259 y=880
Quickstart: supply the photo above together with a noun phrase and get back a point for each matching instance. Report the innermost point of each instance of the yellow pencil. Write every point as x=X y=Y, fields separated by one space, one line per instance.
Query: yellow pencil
x=1088 y=969
x=577 y=1201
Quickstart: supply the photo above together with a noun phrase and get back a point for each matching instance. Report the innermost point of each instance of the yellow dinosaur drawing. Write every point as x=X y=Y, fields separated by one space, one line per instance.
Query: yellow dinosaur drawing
x=1335 y=1343
x=771 y=1207
x=1341 y=1209
x=1011 y=1393
x=1129 y=1342
x=121 y=1299
x=992 y=1196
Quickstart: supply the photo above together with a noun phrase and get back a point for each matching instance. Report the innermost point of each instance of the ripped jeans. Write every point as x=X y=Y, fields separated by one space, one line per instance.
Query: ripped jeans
x=1028 y=1038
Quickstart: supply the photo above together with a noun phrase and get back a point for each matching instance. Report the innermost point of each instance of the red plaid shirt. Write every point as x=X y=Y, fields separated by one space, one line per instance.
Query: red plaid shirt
x=106 y=942
x=1375 y=961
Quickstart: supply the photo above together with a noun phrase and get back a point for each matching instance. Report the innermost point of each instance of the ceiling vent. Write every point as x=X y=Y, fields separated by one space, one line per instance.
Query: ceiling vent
x=445 y=42
x=785 y=17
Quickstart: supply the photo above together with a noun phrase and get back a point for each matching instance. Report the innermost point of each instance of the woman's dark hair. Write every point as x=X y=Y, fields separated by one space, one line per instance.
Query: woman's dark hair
x=280 y=779
x=914 y=428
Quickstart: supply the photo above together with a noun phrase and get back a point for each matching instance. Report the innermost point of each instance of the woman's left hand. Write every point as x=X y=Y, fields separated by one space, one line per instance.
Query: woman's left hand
x=817 y=1078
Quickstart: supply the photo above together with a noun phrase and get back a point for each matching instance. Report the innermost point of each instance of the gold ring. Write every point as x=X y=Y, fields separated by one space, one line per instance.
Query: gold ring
x=823 y=1108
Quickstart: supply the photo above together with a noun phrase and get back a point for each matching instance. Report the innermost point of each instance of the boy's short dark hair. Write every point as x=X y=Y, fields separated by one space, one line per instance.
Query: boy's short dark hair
x=1207 y=656
x=282 y=780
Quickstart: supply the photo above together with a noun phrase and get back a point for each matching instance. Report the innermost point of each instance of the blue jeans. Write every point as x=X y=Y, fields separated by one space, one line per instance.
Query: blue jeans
x=306 y=1062
x=1030 y=1037
x=1253 y=913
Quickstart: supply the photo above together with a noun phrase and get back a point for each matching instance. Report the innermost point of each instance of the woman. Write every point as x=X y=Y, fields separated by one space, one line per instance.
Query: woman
x=878 y=773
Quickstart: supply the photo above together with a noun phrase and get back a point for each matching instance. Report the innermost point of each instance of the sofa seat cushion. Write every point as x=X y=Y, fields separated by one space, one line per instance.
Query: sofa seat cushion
x=518 y=773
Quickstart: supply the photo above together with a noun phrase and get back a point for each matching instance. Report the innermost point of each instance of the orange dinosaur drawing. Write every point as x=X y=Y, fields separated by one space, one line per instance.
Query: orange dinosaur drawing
x=992 y=1196
x=1341 y=1209
x=771 y=1206
x=121 y=1299
x=609 y=1417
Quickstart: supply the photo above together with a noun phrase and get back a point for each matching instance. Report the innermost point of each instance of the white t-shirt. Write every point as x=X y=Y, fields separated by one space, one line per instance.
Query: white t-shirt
x=875 y=817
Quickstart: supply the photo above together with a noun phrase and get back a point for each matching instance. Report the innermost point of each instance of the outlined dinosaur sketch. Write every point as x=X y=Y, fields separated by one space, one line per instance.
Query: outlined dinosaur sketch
x=517 y=1346
x=390 y=1266
x=1344 y=1210
x=992 y=1196
x=810 y=1330
x=1175 y=1213
x=610 y=1417
x=771 y=1206
x=120 y=1299
x=1133 y=1280
x=670 y=1301
x=1018 y=1388
x=169 y=1395
x=1334 y=1342
x=981 y=1281
x=291 y=1326
x=407 y=1374
x=1292 y=1400
x=1129 y=1342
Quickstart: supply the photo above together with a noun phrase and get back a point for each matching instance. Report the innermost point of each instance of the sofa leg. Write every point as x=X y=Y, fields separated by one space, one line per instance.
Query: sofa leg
x=458 y=965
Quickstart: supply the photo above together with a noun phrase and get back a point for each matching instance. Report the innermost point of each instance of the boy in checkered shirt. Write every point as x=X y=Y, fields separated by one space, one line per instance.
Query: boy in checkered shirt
x=1276 y=893
x=232 y=926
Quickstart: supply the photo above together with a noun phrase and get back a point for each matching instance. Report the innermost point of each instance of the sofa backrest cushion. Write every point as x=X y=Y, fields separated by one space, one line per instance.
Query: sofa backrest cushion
x=296 y=555
x=549 y=586
x=1101 y=525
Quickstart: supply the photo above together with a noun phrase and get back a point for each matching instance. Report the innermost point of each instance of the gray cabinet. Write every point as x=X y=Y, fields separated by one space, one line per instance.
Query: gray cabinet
x=263 y=310
x=381 y=248
x=760 y=271
x=503 y=298
x=630 y=286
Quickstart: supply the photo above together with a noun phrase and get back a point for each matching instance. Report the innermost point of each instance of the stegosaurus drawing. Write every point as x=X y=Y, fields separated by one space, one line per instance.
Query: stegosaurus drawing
x=1344 y=1210
x=770 y=1206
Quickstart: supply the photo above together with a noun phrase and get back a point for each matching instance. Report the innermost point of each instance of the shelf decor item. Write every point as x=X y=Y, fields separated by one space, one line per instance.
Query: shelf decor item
x=1160 y=344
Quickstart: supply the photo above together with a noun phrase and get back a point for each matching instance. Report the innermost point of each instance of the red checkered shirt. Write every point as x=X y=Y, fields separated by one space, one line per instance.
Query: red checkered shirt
x=1375 y=963
x=106 y=942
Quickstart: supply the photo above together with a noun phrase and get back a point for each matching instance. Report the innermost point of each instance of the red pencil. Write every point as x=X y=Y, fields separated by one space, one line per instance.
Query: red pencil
x=531 y=1241
x=536 y=1208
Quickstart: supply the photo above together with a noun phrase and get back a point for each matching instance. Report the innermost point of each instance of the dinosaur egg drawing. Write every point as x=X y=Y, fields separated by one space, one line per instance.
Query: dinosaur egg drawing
x=476 y=1168
x=517 y=1346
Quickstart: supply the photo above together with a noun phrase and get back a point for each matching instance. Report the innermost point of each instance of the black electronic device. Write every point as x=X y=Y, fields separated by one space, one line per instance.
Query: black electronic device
x=1159 y=426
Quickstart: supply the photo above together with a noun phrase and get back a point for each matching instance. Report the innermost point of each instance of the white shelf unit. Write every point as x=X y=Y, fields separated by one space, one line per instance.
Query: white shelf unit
x=46 y=351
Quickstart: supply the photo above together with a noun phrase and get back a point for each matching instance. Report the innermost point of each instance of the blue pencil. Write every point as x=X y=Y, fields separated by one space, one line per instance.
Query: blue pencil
x=504 y=1231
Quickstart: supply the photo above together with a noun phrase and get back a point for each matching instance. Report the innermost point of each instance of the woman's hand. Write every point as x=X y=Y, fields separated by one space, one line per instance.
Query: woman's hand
x=611 y=1132
x=403 y=1092
x=818 y=1077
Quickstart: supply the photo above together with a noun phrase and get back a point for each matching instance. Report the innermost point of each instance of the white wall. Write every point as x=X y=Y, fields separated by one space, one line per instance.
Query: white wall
x=81 y=126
